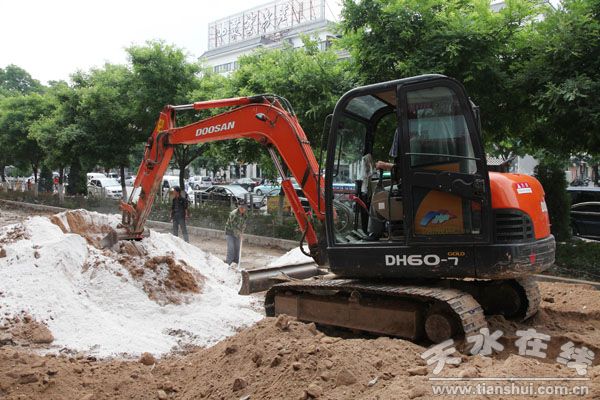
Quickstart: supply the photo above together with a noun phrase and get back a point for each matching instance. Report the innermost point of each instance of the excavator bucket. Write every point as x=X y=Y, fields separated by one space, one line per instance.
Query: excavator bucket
x=115 y=235
x=258 y=280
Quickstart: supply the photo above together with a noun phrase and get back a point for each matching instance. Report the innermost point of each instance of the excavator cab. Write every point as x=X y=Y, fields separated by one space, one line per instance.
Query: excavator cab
x=431 y=215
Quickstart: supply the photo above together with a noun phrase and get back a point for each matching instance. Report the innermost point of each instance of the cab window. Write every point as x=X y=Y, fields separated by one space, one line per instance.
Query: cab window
x=438 y=132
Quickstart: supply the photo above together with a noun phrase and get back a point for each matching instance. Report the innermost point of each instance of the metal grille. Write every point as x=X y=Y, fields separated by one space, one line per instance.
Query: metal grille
x=512 y=226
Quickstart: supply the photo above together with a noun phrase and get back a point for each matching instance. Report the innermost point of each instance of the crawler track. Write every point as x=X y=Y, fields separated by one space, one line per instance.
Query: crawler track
x=393 y=309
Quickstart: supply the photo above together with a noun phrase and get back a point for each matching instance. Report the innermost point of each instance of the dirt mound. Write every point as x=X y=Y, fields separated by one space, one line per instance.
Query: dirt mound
x=276 y=358
x=23 y=330
x=156 y=295
x=91 y=226
x=178 y=280
x=165 y=280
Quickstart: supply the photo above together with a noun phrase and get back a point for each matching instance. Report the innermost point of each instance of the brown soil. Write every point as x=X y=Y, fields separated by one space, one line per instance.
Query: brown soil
x=23 y=330
x=14 y=234
x=164 y=279
x=77 y=223
x=180 y=280
x=285 y=359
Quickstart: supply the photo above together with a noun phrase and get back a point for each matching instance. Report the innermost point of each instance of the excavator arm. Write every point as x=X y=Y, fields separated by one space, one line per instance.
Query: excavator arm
x=267 y=119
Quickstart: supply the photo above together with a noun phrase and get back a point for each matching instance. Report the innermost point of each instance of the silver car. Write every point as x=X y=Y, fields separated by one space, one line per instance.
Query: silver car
x=105 y=187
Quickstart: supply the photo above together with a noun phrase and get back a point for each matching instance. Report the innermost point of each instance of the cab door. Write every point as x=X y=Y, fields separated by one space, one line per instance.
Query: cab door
x=445 y=179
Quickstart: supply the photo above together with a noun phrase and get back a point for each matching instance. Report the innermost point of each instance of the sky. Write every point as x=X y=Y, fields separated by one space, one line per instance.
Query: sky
x=51 y=39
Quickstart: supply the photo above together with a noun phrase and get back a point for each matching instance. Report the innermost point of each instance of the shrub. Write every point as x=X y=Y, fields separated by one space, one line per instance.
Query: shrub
x=578 y=259
x=551 y=175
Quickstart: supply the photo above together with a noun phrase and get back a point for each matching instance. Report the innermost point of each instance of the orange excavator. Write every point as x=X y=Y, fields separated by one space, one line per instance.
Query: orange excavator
x=430 y=245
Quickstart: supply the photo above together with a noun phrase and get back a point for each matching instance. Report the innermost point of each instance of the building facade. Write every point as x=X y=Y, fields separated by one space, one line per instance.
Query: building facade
x=272 y=25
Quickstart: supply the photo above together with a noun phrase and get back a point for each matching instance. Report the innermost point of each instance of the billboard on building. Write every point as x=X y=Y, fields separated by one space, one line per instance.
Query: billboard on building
x=271 y=18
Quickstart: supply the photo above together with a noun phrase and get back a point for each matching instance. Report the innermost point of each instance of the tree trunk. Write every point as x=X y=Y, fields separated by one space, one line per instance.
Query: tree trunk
x=35 y=179
x=280 y=207
x=61 y=185
x=182 y=168
x=123 y=188
x=77 y=182
x=2 y=176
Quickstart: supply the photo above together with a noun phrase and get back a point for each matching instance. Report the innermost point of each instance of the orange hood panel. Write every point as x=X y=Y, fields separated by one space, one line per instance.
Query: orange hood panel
x=521 y=192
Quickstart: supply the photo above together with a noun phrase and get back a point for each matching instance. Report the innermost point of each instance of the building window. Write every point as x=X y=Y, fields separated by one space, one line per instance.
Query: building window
x=227 y=67
x=324 y=45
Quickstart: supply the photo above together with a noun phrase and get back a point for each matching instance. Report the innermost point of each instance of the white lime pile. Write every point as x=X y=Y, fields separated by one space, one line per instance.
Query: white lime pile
x=293 y=257
x=92 y=302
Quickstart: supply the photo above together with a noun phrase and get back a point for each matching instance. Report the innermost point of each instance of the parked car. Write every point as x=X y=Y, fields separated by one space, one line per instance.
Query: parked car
x=201 y=182
x=268 y=189
x=246 y=183
x=583 y=194
x=114 y=175
x=585 y=220
x=130 y=180
x=95 y=175
x=105 y=187
x=585 y=211
x=228 y=195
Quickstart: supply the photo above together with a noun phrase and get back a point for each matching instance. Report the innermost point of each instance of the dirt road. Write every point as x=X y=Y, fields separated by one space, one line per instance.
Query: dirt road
x=285 y=359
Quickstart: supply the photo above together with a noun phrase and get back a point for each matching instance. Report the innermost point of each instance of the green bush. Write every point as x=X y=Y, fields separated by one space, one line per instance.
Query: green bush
x=577 y=259
x=215 y=216
x=551 y=175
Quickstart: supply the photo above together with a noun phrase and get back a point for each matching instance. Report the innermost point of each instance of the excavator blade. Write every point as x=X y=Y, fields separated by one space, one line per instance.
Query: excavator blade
x=115 y=235
x=258 y=280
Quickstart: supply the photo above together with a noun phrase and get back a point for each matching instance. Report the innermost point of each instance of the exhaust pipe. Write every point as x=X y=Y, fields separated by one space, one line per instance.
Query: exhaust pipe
x=259 y=280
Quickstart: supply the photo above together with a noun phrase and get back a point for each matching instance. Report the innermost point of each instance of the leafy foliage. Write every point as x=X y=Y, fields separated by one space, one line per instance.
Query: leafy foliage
x=161 y=75
x=550 y=173
x=310 y=79
x=16 y=81
x=577 y=259
x=467 y=40
x=562 y=79
x=18 y=115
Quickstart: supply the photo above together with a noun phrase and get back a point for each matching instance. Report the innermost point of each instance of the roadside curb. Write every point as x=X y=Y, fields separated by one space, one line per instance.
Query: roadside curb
x=283 y=244
x=551 y=278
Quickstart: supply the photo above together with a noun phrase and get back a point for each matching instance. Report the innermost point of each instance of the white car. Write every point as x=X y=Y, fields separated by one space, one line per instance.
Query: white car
x=129 y=180
x=95 y=175
x=105 y=187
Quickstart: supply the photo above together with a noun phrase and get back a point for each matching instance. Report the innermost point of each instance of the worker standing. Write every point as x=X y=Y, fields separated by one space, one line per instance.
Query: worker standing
x=180 y=213
x=236 y=223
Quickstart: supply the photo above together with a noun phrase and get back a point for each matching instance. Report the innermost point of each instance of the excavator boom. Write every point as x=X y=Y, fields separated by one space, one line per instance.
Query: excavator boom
x=267 y=119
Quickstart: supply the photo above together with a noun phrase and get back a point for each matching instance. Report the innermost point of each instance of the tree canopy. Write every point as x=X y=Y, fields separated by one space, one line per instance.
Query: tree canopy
x=532 y=69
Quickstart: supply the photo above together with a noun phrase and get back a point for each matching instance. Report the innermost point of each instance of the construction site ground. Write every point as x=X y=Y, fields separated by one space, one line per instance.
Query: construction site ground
x=281 y=358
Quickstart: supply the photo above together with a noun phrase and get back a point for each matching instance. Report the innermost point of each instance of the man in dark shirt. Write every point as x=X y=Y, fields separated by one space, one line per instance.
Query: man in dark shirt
x=179 y=213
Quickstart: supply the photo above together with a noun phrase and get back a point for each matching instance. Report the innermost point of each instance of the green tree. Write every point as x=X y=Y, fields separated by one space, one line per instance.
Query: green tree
x=467 y=40
x=561 y=80
x=63 y=140
x=310 y=79
x=551 y=174
x=105 y=113
x=15 y=81
x=162 y=75
x=17 y=116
